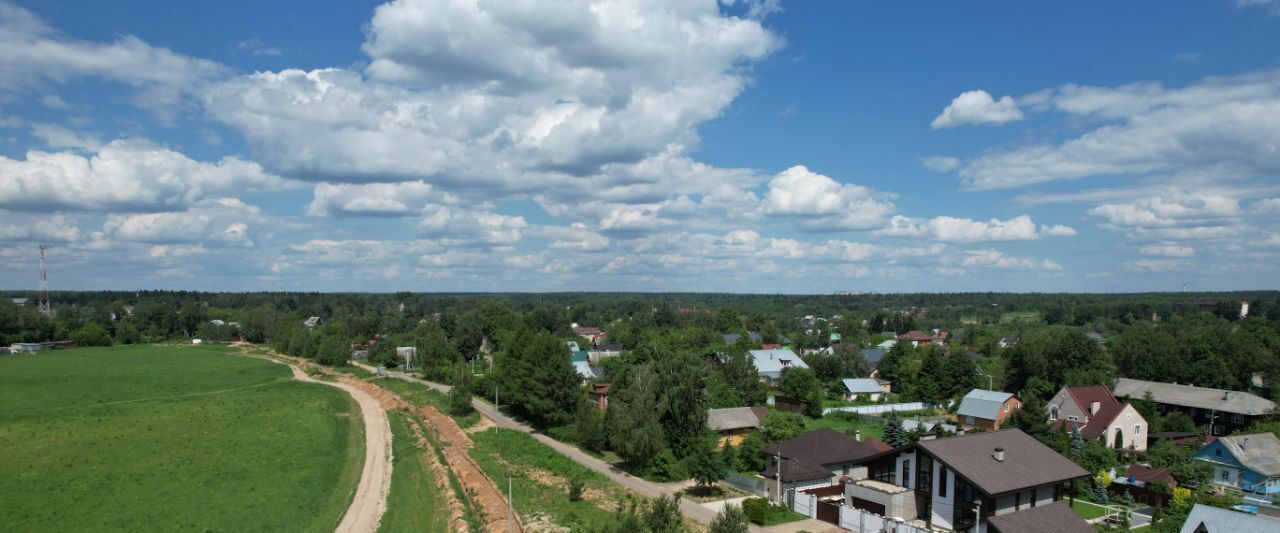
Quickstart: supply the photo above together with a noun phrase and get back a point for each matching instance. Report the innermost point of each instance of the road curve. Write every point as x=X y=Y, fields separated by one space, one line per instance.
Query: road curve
x=370 y=501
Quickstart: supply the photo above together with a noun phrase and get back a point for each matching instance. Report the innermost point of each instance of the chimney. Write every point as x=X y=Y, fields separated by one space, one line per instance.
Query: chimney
x=857 y=435
x=998 y=455
x=1093 y=408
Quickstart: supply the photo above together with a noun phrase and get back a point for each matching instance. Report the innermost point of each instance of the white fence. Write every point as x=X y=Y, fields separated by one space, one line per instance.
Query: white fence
x=877 y=409
x=860 y=521
x=805 y=504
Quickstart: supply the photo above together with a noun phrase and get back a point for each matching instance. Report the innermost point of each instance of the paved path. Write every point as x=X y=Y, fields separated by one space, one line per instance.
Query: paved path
x=649 y=489
x=370 y=500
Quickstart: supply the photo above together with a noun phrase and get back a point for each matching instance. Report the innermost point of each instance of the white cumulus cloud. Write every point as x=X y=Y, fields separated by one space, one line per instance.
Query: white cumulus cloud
x=977 y=107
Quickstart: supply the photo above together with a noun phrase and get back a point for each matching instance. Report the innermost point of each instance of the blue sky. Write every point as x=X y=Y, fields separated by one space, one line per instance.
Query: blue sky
x=641 y=146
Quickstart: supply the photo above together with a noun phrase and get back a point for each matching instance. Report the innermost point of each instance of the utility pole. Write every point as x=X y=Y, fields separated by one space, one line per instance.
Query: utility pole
x=511 y=510
x=44 y=285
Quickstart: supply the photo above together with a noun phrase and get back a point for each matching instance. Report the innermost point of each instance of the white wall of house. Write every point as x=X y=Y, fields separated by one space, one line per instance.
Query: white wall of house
x=943 y=506
x=906 y=460
x=1132 y=428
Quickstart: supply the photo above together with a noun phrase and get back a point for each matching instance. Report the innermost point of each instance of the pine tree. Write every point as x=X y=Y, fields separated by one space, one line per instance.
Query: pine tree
x=894 y=434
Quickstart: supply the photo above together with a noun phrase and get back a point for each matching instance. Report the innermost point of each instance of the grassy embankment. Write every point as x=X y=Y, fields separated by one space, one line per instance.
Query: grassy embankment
x=171 y=438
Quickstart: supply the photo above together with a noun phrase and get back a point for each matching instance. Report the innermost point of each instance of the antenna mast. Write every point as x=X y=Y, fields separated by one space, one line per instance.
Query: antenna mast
x=44 y=284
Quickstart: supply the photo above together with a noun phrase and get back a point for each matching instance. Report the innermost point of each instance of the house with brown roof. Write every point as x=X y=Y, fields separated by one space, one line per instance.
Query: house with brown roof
x=1098 y=414
x=919 y=338
x=817 y=459
x=964 y=483
x=733 y=424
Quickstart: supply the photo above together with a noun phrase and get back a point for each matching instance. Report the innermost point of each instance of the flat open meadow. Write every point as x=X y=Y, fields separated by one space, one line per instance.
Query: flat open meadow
x=171 y=438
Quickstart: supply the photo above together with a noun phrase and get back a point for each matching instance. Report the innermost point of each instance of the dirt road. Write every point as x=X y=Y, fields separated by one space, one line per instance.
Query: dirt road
x=370 y=501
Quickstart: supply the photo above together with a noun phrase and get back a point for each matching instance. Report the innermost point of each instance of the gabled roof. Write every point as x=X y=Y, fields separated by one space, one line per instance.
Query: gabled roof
x=1056 y=517
x=1027 y=463
x=862 y=386
x=827 y=446
x=1084 y=396
x=1146 y=474
x=584 y=369
x=580 y=356
x=770 y=361
x=796 y=469
x=915 y=336
x=984 y=404
x=1215 y=520
x=732 y=418
x=1259 y=452
x=601 y=389
x=872 y=355
x=1243 y=403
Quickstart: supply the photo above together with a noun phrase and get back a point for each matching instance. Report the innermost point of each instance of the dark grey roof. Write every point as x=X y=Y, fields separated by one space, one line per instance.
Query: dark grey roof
x=827 y=446
x=1027 y=463
x=795 y=469
x=1199 y=397
x=872 y=355
x=1056 y=517
x=1217 y=520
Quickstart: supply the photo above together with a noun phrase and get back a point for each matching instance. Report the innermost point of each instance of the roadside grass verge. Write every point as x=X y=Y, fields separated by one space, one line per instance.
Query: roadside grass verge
x=421 y=395
x=415 y=502
x=539 y=480
x=1088 y=510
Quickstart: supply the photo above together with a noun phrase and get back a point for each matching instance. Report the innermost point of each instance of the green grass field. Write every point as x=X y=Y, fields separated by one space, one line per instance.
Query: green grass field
x=415 y=503
x=845 y=425
x=420 y=395
x=1014 y=317
x=171 y=438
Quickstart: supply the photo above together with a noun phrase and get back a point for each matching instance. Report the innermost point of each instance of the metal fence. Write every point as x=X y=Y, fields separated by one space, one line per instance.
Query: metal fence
x=750 y=485
x=879 y=408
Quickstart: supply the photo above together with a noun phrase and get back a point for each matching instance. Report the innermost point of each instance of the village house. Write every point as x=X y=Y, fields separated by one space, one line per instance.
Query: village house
x=987 y=481
x=733 y=424
x=865 y=388
x=593 y=335
x=919 y=338
x=770 y=364
x=986 y=409
x=1250 y=463
x=1220 y=412
x=816 y=459
x=1209 y=519
x=1099 y=415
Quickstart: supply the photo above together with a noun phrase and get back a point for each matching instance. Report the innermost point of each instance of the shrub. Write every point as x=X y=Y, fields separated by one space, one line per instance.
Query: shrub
x=576 y=487
x=566 y=433
x=731 y=519
x=460 y=400
x=756 y=509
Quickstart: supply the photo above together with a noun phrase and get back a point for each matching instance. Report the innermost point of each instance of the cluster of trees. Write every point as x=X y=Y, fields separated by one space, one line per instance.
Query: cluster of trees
x=927 y=374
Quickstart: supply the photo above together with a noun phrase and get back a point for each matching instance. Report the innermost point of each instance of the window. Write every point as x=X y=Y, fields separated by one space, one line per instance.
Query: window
x=1073 y=418
x=942 y=482
x=1053 y=413
x=968 y=420
x=1137 y=429
x=1006 y=407
x=1225 y=475
x=1237 y=419
x=906 y=472
x=1017 y=501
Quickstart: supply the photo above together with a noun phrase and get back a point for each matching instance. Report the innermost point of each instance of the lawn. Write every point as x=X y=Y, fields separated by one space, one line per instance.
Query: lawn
x=415 y=503
x=846 y=425
x=171 y=438
x=1088 y=510
x=538 y=480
